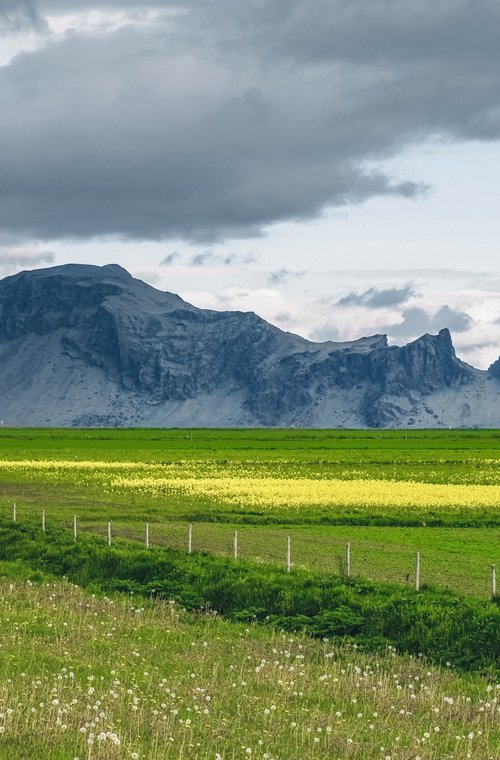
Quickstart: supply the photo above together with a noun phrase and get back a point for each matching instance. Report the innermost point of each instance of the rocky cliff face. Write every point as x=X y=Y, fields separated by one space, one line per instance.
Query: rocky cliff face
x=494 y=369
x=85 y=345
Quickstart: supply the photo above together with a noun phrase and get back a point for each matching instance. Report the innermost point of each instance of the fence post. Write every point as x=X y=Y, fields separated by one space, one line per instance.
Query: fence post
x=417 y=573
x=348 y=560
x=147 y=535
x=494 y=581
x=14 y=513
x=74 y=527
x=236 y=544
x=43 y=520
x=109 y=534
x=289 y=555
x=190 y=538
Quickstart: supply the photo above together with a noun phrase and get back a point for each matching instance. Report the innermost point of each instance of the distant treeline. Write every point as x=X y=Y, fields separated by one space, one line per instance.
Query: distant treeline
x=445 y=627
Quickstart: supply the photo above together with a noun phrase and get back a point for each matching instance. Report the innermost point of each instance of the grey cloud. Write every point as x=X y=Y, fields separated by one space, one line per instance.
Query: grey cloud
x=9 y=259
x=147 y=275
x=445 y=274
x=170 y=259
x=472 y=347
x=224 y=299
x=74 y=6
x=20 y=16
x=456 y=321
x=209 y=258
x=202 y=259
x=283 y=316
x=237 y=258
x=379 y=299
x=282 y=276
x=221 y=118
x=325 y=332
x=417 y=321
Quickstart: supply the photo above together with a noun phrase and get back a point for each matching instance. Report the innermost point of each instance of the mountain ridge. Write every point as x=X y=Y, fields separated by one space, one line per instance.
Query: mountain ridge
x=83 y=345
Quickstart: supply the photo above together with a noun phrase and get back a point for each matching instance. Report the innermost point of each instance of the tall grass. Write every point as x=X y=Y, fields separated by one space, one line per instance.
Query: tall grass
x=116 y=678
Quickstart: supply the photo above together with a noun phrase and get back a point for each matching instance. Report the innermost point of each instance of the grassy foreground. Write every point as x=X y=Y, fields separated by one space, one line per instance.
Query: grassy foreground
x=115 y=677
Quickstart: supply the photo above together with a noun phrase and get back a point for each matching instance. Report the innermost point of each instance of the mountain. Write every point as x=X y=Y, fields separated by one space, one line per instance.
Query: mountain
x=88 y=346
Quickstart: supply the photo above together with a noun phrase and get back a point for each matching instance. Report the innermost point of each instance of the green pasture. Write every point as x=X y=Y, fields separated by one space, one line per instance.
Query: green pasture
x=457 y=549
x=352 y=446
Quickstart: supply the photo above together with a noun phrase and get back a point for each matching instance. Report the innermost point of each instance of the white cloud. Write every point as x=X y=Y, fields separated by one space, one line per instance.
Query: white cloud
x=16 y=258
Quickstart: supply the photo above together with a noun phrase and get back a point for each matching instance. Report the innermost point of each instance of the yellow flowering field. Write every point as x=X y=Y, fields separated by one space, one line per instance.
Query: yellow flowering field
x=281 y=486
x=282 y=493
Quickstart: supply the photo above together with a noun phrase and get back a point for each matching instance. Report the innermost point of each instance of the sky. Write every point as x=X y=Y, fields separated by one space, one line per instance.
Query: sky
x=333 y=165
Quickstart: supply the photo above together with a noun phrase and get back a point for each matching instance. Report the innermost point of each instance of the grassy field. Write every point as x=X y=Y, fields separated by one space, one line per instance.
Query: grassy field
x=389 y=494
x=128 y=675
x=110 y=677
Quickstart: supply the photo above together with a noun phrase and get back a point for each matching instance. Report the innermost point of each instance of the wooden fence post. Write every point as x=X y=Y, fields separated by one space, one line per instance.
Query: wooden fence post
x=494 y=581
x=348 y=560
x=43 y=520
x=417 y=573
x=236 y=544
x=14 y=513
x=74 y=527
x=289 y=555
x=190 y=538
x=147 y=535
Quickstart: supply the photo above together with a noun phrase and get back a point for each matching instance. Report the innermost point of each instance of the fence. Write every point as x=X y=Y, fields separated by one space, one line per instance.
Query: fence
x=279 y=550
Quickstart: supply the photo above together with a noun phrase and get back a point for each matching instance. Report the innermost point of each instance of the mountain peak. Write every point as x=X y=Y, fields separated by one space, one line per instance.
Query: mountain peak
x=443 y=337
x=76 y=271
x=117 y=269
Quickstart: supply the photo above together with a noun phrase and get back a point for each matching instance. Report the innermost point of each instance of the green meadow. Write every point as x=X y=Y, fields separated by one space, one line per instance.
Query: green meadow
x=110 y=649
x=458 y=543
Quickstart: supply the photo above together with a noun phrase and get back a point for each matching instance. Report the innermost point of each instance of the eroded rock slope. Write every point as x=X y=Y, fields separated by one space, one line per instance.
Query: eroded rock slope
x=86 y=345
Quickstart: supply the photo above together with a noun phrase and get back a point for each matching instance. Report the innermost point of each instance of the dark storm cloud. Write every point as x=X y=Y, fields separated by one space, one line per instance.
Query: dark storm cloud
x=220 y=118
x=417 y=321
x=379 y=299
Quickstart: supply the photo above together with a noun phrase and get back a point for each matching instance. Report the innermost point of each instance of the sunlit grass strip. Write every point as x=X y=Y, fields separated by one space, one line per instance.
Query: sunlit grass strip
x=284 y=493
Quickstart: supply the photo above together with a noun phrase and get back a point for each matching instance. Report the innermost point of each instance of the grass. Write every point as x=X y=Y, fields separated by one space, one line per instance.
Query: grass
x=383 y=554
x=114 y=677
x=437 y=623
x=458 y=544
x=119 y=671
